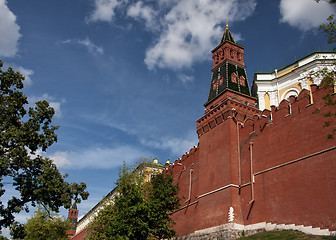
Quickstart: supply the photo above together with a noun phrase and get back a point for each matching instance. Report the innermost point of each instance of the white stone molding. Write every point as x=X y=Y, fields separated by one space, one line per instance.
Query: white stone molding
x=295 y=92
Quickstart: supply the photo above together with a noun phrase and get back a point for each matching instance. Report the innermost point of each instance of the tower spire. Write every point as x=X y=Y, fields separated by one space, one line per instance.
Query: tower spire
x=227 y=36
x=229 y=76
x=73 y=216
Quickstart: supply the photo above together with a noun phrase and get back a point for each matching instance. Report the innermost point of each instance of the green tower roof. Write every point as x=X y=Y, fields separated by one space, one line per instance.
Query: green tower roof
x=227 y=36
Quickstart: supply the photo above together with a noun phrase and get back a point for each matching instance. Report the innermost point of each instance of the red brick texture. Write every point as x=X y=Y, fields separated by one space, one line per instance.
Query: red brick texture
x=293 y=166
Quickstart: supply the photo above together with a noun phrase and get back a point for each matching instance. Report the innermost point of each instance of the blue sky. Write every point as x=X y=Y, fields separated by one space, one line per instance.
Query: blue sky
x=128 y=78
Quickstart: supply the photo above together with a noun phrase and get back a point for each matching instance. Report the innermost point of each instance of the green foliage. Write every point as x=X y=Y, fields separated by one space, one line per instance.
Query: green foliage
x=330 y=100
x=329 y=77
x=17 y=230
x=162 y=199
x=284 y=235
x=330 y=30
x=327 y=83
x=23 y=132
x=42 y=226
x=139 y=210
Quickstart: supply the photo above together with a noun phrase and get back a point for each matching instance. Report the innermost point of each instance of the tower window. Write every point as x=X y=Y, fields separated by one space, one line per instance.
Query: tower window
x=232 y=53
x=242 y=81
x=234 y=78
x=216 y=58
x=221 y=54
x=214 y=85
x=240 y=55
x=220 y=80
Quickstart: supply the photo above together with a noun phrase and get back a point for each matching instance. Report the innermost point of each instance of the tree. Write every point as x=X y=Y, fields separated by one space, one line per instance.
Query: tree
x=139 y=210
x=42 y=226
x=330 y=28
x=162 y=199
x=17 y=230
x=328 y=77
x=23 y=132
x=328 y=82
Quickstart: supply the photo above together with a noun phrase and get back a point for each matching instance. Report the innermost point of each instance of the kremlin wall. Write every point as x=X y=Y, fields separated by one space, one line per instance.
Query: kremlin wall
x=255 y=170
x=259 y=169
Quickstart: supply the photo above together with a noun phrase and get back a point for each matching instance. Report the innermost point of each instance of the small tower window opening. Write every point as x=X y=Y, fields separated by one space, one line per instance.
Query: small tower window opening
x=214 y=85
x=220 y=80
x=240 y=56
x=242 y=81
x=234 y=78
x=216 y=58
x=221 y=54
x=232 y=52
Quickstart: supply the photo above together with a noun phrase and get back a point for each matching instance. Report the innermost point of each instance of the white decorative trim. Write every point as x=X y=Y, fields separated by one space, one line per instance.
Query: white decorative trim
x=231 y=215
x=292 y=89
x=297 y=72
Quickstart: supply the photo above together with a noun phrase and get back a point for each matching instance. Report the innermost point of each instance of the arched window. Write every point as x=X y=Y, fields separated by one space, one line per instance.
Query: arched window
x=232 y=53
x=290 y=92
x=240 y=56
x=234 y=78
x=242 y=81
x=214 y=85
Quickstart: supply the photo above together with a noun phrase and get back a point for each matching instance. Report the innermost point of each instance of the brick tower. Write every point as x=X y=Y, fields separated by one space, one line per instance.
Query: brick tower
x=210 y=175
x=229 y=104
x=73 y=216
x=254 y=170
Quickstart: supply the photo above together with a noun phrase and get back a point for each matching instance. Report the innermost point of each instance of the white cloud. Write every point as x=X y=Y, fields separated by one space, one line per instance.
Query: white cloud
x=98 y=158
x=144 y=13
x=177 y=146
x=87 y=43
x=185 y=78
x=185 y=28
x=24 y=71
x=9 y=31
x=190 y=27
x=105 y=10
x=237 y=36
x=52 y=102
x=61 y=159
x=304 y=14
x=92 y=48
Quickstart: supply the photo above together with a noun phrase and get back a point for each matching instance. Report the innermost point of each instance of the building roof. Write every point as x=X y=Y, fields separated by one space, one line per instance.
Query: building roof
x=227 y=36
x=74 y=205
x=298 y=63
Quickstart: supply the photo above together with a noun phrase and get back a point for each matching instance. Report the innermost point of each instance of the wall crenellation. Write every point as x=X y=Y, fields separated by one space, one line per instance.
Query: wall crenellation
x=184 y=157
x=229 y=108
x=287 y=108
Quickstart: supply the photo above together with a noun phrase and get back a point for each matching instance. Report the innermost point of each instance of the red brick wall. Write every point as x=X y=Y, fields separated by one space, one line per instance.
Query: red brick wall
x=80 y=236
x=301 y=193
x=214 y=166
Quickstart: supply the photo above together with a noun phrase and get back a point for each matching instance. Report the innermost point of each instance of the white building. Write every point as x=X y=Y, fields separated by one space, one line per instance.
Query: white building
x=272 y=88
